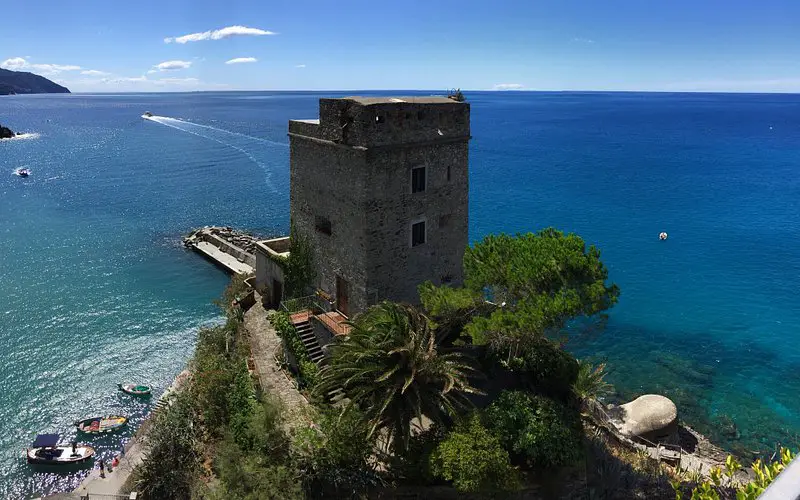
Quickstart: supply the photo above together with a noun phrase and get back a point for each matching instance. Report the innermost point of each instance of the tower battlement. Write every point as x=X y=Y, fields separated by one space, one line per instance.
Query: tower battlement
x=367 y=122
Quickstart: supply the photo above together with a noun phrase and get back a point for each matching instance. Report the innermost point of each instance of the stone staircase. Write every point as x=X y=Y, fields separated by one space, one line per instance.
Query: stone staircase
x=306 y=332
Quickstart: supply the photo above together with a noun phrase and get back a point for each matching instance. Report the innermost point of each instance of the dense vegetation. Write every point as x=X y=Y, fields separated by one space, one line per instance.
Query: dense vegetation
x=473 y=391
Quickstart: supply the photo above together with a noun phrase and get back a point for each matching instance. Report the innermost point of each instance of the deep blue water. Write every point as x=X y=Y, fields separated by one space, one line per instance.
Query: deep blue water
x=96 y=289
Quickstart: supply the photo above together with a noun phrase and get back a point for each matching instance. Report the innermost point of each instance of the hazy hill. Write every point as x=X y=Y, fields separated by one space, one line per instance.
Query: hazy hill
x=20 y=82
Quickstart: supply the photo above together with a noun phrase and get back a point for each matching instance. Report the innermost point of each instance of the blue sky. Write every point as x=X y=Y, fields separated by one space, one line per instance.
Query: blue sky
x=697 y=45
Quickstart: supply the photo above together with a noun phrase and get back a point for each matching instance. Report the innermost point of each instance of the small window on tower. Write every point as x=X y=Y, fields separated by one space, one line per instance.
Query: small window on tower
x=322 y=224
x=418 y=233
x=448 y=172
x=418 y=179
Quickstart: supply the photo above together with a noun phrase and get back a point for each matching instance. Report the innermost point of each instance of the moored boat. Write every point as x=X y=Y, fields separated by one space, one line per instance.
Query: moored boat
x=45 y=450
x=135 y=390
x=101 y=425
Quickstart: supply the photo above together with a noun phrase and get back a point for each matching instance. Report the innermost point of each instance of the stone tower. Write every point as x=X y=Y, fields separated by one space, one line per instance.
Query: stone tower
x=380 y=186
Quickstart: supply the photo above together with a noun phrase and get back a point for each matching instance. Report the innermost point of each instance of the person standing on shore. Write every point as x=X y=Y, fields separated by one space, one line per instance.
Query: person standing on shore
x=102 y=469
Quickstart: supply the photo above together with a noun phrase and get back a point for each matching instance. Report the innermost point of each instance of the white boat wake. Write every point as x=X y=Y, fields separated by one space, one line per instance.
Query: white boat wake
x=23 y=137
x=235 y=140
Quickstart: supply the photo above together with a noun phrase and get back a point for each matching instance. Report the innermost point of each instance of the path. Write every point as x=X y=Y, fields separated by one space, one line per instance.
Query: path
x=266 y=347
x=228 y=261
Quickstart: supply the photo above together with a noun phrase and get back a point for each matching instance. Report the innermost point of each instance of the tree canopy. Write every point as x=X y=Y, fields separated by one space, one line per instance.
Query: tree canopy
x=535 y=283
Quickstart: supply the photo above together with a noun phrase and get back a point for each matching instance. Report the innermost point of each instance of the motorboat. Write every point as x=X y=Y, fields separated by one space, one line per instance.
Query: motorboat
x=101 y=425
x=135 y=389
x=147 y=114
x=22 y=172
x=45 y=450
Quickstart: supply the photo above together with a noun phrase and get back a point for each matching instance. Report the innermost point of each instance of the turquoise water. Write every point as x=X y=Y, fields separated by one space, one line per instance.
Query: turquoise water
x=96 y=288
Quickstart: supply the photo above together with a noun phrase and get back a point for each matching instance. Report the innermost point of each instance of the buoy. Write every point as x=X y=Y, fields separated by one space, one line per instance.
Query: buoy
x=662 y=236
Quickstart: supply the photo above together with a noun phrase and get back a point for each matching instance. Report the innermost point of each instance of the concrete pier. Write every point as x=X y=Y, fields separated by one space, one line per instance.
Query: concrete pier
x=232 y=250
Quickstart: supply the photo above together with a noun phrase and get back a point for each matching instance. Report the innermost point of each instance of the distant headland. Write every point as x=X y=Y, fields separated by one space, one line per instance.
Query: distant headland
x=20 y=82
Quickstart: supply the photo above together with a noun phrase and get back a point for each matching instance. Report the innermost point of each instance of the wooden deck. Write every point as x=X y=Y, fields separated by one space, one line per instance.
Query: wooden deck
x=333 y=321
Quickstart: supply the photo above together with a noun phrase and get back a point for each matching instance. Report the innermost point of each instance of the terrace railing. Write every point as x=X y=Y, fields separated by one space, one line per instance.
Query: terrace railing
x=304 y=308
x=310 y=305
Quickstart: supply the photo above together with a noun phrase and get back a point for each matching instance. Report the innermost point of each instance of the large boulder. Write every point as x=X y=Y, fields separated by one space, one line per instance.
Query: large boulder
x=652 y=417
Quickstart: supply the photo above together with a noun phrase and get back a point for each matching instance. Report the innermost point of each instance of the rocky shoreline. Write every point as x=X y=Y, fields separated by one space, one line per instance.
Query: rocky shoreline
x=240 y=239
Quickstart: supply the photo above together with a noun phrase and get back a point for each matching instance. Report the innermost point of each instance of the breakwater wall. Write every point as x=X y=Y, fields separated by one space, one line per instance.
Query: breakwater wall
x=230 y=249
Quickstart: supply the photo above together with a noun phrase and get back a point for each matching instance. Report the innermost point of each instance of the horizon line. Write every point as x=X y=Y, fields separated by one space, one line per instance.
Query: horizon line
x=512 y=91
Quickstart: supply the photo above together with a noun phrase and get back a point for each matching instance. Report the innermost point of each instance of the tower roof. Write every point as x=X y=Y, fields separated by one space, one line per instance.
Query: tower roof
x=368 y=101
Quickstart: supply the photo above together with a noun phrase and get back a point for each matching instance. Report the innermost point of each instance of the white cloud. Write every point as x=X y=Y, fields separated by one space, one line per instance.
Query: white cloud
x=240 y=60
x=300 y=66
x=15 y=63
x=93 y=72
x=116 y=83
x=134 y=79
x=219 y=34
x=20 y=64
x=170 y=66
x=508 y=86
x=578 y=39
x=176 y=81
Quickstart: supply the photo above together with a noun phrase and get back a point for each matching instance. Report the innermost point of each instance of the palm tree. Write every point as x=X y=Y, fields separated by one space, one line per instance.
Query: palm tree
x=590 y=383
x=391 y=368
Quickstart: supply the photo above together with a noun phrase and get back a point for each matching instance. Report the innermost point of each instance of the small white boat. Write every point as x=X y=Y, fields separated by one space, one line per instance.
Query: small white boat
x=135 y=389
x=147 y=114
x=22 y=172
x=45 y=450
x=663 y=236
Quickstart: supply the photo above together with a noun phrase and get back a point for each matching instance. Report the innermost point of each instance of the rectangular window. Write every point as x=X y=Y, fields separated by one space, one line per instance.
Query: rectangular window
x=322 y=224
x=448 y=172
x=418 y=233
x=417 y=179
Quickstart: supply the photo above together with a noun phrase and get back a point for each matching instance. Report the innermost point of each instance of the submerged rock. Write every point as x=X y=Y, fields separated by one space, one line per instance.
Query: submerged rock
x=652 y=417
x=6 y=133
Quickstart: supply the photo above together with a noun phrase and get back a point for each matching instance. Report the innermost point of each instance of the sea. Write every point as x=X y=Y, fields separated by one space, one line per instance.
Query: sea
x=96 y=287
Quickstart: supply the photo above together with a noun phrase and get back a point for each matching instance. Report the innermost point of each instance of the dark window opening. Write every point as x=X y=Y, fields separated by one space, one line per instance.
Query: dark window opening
x=418 y=233
x=322 y=224
x=446 y=278
x=448 y=172
x=379 y=119
x=418 y=179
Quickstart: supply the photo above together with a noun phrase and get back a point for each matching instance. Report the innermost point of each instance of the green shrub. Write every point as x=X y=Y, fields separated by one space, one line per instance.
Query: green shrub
x=535 y=428
x=547 y=368
x=172 y=464
x=309 y=371
x=249 y=477
x=291 y=339
x=724 y=484
x=336 y=456
x=299 y=267
x=473 y=459
x=413 y=465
